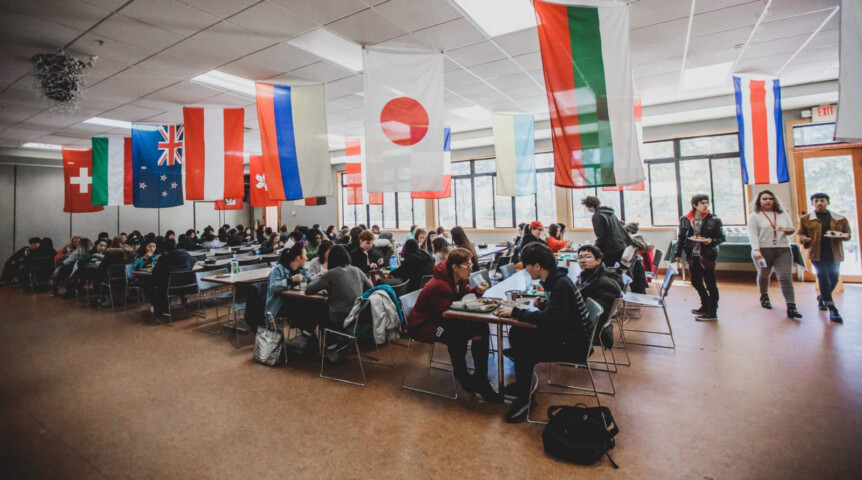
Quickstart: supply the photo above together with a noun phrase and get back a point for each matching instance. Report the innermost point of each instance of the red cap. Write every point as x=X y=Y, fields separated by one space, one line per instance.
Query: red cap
x=536 y=224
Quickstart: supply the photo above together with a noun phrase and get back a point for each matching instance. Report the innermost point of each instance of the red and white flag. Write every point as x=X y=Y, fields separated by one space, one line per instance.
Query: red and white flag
x=78 y=180
x=403 y=121
x=761 y=133
x=213 y=152
x=229 y=204
x=259 y=196
x=354 y=178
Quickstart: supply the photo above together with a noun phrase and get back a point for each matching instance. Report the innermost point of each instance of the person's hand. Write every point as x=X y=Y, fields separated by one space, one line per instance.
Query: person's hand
x=539 y=302
x=707 y=241
x=503 y=312
x=297 y=278
x=677 y=260
x=789 y=231
x=481 y=288
x=373 y=266
x=757 y=255
x=804 y=239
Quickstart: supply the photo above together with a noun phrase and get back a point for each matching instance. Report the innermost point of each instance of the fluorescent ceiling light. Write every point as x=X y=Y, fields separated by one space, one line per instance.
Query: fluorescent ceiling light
x=226 y=81
x=498 y=17
x=108 y=122
x=474 y=113
x=329 y=46
x=708 y=76
x=42 y=146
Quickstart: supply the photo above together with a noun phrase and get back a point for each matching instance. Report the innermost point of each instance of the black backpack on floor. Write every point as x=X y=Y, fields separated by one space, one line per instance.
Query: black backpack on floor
x=580 y=434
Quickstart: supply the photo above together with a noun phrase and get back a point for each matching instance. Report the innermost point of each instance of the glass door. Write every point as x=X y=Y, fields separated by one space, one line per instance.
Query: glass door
x=837 y=173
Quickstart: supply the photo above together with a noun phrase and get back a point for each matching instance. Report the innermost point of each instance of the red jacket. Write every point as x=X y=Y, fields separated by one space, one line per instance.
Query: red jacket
x=434 y=299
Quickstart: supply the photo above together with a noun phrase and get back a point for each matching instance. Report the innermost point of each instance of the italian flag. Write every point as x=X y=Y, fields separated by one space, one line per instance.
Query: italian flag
x=112 y=171
x=588 y=78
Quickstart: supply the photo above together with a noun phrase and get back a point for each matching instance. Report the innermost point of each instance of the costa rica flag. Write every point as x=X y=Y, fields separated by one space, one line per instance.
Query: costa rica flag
x=761 y=132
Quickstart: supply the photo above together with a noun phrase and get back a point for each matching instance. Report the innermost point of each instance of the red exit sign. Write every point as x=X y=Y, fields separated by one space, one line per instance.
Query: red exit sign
x=823 y=114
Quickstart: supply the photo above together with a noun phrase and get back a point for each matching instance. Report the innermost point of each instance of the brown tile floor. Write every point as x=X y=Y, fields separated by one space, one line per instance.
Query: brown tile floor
x=95 y=394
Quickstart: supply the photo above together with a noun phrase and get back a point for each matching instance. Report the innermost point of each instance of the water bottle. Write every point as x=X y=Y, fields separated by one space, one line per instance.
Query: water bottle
x=234 y=264
x=393 y=262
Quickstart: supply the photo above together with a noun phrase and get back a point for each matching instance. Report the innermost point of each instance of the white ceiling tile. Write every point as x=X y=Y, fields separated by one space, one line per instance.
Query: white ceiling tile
x=322 y=72
x=332 y=93
x=42 y=33
x=518 y=80
x=227 y=100
x=655 y=53
x=365 y=28
x=530 y=61
x=159 y=105
x=271 y=21
x=167 y=118
x=786 y=8
x=406 y=41
x=21 y=133
x=450 y=35
x=111 y=5
x=322 y=12
x=189 y=58
x=82 y=130
x=495 y=69
x=458 y=77
x=284 y=57
x=72 y=13
x=131 y=113
x=738 y=16
x=133 y=32
x=787 y=27
x=648 y=12
x=249 y=69
x=183 y=93
x=728 y=40
x=138 y=82
x=412 y=15
x=235 y=39
x=92 y=44
x=350 y=84
x=470 y=89
x=350 y=101
x=519 y=43
x=219 y=8
x=170 y=15
x=58 y=139
x=476 y=54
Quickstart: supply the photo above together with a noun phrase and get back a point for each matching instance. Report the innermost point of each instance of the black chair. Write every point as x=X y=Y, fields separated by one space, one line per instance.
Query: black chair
x=114 y=278
x=40 y=270
x=248 y=261
x=425 y=279
x=401 y=289
x=180 y=284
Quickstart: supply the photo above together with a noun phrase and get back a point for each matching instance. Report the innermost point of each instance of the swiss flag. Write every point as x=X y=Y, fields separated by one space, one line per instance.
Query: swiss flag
x=259 y=196
x=229 y=204
x=78 y=180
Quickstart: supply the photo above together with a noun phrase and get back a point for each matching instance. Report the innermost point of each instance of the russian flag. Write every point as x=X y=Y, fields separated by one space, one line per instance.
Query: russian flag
x=294 y=141
x=761 y=136
x=447 y=171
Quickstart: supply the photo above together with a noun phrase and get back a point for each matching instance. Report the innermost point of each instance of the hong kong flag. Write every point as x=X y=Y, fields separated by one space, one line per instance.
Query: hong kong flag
x=229 y=204
x=78 y=180
x=259 y=196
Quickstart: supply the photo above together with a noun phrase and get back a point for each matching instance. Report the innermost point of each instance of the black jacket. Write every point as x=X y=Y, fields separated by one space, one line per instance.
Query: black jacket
x=414 y=267
x=603 y=285
x=611 y=236
x=527 y=239
x=359 y=259
x=564 y=315
x=711 y=229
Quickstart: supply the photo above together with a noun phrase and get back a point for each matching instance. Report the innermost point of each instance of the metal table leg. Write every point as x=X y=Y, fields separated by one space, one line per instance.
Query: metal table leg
x=500 y=380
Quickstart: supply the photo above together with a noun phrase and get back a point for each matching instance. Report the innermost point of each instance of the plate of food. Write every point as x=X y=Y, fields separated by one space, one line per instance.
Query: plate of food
x=834 y=234
x=479 y=306
x=222 y=275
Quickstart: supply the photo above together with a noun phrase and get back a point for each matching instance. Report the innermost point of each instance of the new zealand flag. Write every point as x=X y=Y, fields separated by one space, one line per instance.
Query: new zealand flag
x=157 y=165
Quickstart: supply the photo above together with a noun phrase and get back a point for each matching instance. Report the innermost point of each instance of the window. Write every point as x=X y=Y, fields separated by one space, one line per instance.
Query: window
x=398 y=211
x=813 y=134
x=475 y=204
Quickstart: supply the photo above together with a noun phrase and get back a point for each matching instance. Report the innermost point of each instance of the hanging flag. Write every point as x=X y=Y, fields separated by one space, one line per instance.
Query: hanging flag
x=761 y=136
x=112 y=171
x=229 y=204
x=588 y=79
x=259 y=196
x=310 y=202
x=848 y=126
x=294 y=141
x=639 y=127
x=354 y=178
x=78 y=180
x=403 y=121
x=447 y=171
x=213 y=152
x=514 y=147
x=157 y=165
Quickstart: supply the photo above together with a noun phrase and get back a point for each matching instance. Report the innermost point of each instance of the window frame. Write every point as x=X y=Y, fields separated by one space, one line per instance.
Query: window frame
x=365 y=218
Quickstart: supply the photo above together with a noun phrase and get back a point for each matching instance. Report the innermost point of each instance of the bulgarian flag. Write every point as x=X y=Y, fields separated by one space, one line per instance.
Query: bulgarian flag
x=112 y=171
x=588 y=78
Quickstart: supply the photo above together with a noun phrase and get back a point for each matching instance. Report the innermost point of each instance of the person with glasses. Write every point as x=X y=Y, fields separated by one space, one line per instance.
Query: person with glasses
x=602 y=284
x=427 y=324
x=562 y=330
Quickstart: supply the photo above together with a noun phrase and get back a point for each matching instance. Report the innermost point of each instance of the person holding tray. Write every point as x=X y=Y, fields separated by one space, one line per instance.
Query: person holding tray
x=821 y=232
x=700 y=232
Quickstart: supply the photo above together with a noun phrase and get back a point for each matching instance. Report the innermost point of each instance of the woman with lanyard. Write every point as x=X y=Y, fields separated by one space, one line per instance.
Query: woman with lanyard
x=768 y=229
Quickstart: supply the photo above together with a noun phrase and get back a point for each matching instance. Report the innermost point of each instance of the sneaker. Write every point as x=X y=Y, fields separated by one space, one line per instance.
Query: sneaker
x=699 y=311
x=332 y=355
x=299 y=342
x=483 y=389
x=821 y=304
x=706 y=317
x=835 y=316
x=520 y=410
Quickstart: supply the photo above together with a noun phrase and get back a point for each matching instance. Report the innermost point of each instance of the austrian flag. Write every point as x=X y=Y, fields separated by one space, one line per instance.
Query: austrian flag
x=214 y=148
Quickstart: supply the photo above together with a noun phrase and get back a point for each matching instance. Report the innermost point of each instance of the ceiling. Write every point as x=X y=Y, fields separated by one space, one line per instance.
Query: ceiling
x=149 y=49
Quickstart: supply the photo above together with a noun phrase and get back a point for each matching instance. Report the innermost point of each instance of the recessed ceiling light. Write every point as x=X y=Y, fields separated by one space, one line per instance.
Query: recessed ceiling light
x=108 y=122
x=226 y=81
x=42 y=146
x=498 y=17
x=329 y=46
x=707 y=76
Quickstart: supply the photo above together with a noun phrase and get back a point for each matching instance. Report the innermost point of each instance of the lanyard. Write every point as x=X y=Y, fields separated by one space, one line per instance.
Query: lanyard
x=773 y=223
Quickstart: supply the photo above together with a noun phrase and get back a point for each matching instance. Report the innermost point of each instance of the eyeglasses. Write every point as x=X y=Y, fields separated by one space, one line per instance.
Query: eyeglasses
x=466 y=266
x=585 y=257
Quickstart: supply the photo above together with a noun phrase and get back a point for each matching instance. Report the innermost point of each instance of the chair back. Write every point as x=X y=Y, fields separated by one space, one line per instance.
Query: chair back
x=595 y=312
x=425 y=279
x=508 y=270
x=476 y=278
x=253 y=266
x=658 y=256
x=117 y=273
x=627 y=282
x=248 y=261
x=41 y=264
x=669 y=276
x=504 y=260
x=182 y=281
x=129 y=270
x=408 y=302
x=222 y=256
x=401 y=288
x=202 y=285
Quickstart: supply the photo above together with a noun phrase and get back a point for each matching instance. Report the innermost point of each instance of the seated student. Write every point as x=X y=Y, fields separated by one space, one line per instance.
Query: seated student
x=460 y=240
x=210 y=241
x=270 y=246
x=359 y=255
x=294 y=238
x=314 y=237
x=555 y=240
x=598 y=282
x=343 y=283
x=186 y=243
x=318 y=265
x=173 y=260
x=63 y=273
x=375 y=230
x=428 y=245
x=382 y=249
x=67 y=250
x=416 y=264
x=427 y=324
x=288 y=272
x=45 y=250
x=411 y=233
x=421 y=236
x=441 y=249
x=233 y=238
x=532 y=234
x=147 y=257
x=562 y=321
x=15 y=264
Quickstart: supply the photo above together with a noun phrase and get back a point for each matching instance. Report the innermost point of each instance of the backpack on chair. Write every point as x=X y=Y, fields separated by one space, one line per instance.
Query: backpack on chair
x=580 y=434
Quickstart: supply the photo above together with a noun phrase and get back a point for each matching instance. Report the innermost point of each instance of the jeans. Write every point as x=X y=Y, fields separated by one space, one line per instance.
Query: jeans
x=456 y=334
x=703 y=280
x=827 y=278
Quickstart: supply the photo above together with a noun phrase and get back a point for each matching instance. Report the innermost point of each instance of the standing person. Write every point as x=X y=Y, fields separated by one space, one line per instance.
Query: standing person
x=611 y=238
x=427 y=324
x=768 y=228
x=700 y=233
x=822 y=232
x=562 y=325
x=460 y=240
